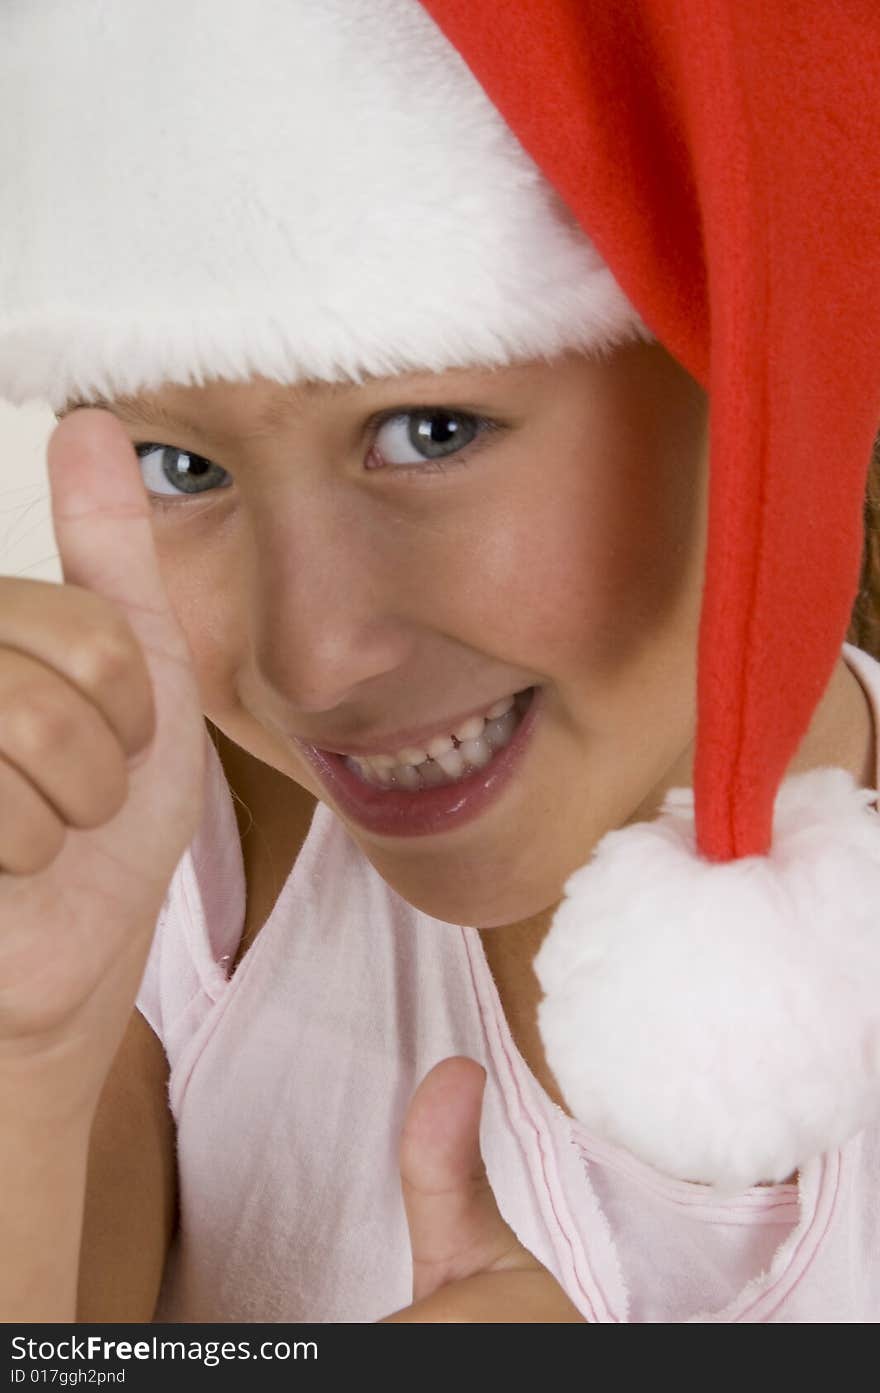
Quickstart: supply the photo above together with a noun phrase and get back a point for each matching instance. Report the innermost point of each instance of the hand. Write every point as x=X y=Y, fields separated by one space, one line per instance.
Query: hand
x=468 y=1265
x=101 y=766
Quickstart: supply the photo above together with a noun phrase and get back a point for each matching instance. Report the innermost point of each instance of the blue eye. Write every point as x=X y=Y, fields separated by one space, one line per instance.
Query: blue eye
x=168 y=471
x=417 y=437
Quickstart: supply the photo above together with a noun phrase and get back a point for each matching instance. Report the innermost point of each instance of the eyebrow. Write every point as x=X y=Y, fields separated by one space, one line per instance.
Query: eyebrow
x=148 y=416
x=273 y=415
x=278 y=410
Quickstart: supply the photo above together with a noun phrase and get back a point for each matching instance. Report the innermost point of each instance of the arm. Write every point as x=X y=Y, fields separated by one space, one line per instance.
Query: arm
x=42 y=1182
x=131 y=1189
x=88 y=1201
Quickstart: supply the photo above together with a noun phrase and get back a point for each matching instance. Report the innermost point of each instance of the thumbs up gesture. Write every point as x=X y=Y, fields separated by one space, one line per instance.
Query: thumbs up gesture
x=101 y=767
x=468 y=1265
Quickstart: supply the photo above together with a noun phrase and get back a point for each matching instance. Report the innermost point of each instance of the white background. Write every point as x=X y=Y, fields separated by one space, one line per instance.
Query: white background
x=27 y=544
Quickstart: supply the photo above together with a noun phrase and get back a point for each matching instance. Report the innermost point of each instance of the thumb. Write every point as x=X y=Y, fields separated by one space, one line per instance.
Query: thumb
x=101 y=517
x=103 y=527
x=455 y=1226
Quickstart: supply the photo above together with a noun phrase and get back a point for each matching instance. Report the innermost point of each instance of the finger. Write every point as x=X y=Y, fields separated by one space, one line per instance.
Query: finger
x=59 y=741
x=103 y=527
x=31 y=834
x=456 y=1228
x=88 y=641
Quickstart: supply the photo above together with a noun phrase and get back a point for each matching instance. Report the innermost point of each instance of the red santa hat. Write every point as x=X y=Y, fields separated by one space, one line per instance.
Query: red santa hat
x=218 y=188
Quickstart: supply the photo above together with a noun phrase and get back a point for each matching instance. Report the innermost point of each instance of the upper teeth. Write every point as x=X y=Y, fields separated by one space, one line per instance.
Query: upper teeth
x=470 y=745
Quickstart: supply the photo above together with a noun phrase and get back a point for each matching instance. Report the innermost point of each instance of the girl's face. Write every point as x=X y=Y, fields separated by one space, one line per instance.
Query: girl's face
x=361 y=569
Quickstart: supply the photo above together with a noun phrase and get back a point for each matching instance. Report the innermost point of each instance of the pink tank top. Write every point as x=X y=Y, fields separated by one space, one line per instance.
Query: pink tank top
x=289 y=1082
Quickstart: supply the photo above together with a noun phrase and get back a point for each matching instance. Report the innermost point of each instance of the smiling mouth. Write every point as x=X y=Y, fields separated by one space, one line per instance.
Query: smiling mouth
x=413 y=793
x=446 y=759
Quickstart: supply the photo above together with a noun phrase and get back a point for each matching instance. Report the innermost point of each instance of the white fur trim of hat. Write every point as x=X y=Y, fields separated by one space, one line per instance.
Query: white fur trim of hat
x=178 y=205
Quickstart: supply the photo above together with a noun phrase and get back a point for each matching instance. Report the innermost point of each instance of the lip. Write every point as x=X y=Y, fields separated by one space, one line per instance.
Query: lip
x=399 y=813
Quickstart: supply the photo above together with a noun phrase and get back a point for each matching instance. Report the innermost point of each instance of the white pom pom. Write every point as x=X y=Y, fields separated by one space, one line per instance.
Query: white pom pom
x=721 y=1021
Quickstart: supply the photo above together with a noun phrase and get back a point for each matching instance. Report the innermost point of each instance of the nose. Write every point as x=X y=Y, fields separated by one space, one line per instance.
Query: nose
x=322 y=612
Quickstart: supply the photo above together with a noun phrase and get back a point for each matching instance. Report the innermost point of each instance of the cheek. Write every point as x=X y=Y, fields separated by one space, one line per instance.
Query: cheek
x=196 y=564
x=572 y=573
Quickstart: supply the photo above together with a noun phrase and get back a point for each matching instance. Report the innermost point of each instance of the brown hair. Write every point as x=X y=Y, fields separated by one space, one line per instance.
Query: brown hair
x=864 y=629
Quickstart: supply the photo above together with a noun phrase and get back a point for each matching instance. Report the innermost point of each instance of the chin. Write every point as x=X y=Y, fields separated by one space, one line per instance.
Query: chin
x=476 y=907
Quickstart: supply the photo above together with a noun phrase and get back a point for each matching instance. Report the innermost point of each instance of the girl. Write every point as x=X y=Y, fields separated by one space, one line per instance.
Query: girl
x=419 y=518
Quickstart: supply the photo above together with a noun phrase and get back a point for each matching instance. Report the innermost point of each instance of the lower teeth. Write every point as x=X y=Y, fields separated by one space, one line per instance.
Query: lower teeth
x=458 y=763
